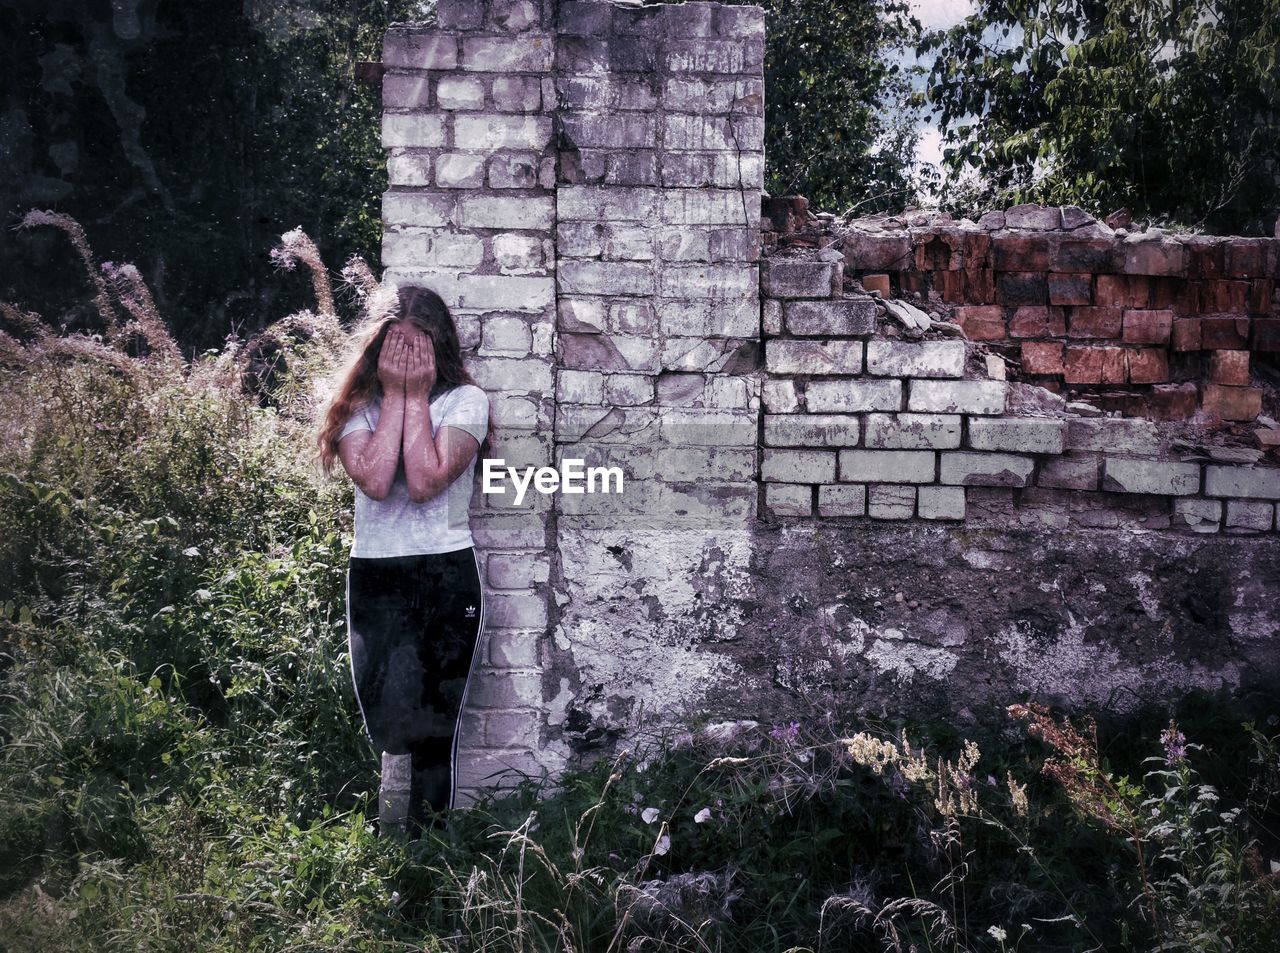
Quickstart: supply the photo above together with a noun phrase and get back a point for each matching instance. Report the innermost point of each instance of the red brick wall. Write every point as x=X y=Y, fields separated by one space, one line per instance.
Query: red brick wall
x=1146 y=322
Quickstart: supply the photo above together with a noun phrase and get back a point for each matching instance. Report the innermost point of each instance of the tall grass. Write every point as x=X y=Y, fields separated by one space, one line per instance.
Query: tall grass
x=182 y=765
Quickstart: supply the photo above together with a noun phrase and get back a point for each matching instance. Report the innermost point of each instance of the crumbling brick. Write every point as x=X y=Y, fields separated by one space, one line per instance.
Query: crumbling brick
x=1247 y=257
x=982 y=322
x=1071 y=472
x=913 y=431
x=940 y=502
x=1073 y=288
x=1172 y=401
x=1094 y=322
x=1250 y=515
x=1186 y=334
x=958 y=397
x=887 y=466
x=797 y=466
x=878 y=283
x=1147 y=327
x=1232 y=403
x=891 y=502
x=1253 y=484
x=1018 y=434
x=853 y=396
x=788 y=499
x=1229 y=367
x=1224 y=332
x=1017 y=288
x=1122 y=291
x=1147 y=365
x=1020 y=252
x=1121 y=475
x=923 y=359
x=1042 y=357
x=838 y=316
x=842 y=499
x=1203 y=516
x=1266 y=335
x=1091 y=256
x=1095 y=365
x=1037 y=322
x=986 y=469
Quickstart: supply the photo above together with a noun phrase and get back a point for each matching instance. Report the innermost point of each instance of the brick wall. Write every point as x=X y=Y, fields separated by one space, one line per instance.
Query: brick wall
x=1152 y=324
x=581 y=182
x=468 y=128
x=865 y=419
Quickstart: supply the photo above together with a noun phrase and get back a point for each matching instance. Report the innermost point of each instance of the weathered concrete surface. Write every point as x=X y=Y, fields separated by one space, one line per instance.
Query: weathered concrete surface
x=641 y=615
x=912 y=619
x=902 y=620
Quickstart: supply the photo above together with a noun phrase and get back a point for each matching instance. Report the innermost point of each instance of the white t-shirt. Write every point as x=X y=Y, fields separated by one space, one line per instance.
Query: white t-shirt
x=397 y=526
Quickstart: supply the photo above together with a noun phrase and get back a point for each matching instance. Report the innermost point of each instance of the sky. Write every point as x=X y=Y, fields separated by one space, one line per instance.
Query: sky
x=941 y=13
x=936 y=14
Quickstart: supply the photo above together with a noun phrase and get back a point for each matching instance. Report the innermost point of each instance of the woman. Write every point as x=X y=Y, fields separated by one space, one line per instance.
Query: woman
x=408 y=422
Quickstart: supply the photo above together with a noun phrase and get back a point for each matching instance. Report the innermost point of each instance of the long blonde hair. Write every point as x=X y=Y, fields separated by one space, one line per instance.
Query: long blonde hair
x=358 y=381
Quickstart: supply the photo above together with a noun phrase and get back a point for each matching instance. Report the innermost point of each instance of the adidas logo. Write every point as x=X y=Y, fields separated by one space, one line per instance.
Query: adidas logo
x=471 y=612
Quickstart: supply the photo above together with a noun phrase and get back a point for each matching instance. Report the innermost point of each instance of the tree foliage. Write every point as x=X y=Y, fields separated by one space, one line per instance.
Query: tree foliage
x=188 y=136
x=1170 y=108
x=840 y=123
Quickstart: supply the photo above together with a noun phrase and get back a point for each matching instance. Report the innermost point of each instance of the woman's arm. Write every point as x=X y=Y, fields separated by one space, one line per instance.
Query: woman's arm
x=430 y=464
x=371 y=457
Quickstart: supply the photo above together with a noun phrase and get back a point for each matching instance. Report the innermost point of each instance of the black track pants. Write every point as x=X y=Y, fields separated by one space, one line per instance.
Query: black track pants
x=413 y=624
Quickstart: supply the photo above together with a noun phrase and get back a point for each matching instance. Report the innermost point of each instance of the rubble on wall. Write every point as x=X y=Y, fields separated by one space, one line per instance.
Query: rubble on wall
x=1148 y=323
x=865 y=417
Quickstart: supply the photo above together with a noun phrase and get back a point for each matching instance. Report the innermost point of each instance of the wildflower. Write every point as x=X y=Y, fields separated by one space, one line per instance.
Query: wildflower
x=649 y=815
x=358 y=275
x=1175 y=745
x=871 y=752
x=955 y=783
x=296 y=246
x=788 y=733
x=703 y=815
x=281 y=259
x=1018 y=792
x=913 y=765
x=663 y=845
x=991 y=780
x=1075 y=765
x=395 y=896
x=998 y=933
x=75 y=233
